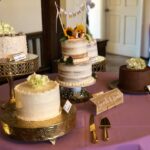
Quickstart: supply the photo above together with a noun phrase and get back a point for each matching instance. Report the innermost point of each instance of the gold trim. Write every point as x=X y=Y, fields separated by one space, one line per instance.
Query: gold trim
x=37 y=130
x=23 y=67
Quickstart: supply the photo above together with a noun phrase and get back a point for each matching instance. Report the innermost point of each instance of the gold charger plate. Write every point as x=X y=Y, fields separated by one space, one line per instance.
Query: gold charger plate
x=37 y=130
x=114 y=84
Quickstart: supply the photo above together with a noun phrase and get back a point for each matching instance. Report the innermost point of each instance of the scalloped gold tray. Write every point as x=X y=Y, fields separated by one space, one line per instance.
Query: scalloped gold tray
x=23 y=67
x=37 y=130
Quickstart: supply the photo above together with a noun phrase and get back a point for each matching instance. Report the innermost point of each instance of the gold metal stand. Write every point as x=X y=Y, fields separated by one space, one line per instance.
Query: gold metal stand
x=79 y=97
x=99 y=65
x=37 y=130
x=30 y=130
x=12 y=69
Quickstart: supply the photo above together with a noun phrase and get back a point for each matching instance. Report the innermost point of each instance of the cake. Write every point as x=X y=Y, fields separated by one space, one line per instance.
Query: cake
x=75 y=48
x=37 y=99
x=10 y=42
x=74 y=73
x=134 y=79
x=75 y=68
x=92 y=50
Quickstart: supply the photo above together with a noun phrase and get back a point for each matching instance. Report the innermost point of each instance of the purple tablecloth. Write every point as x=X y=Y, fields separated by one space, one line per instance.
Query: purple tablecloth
x=130 y=122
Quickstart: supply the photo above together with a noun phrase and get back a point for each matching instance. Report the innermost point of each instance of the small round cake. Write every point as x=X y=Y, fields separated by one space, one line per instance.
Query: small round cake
x=75 y=48
x=10 y=42
x=37 y=99
x=133 y=80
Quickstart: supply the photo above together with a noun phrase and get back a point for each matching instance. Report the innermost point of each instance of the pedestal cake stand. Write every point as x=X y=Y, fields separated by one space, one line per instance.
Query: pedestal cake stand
x=74 y=91
x=30 y=130
x=13 y=69
x=99 y=64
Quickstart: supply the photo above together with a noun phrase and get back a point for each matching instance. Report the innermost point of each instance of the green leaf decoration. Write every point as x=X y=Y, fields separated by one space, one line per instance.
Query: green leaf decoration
x=69 y=61
x=88 y=37
x=61 y=60
x=63 y=39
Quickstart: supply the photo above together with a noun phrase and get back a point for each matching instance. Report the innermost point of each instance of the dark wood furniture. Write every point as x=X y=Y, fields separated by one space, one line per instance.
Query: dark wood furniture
x=51 y=44
x=101 y=45
x=46 y=43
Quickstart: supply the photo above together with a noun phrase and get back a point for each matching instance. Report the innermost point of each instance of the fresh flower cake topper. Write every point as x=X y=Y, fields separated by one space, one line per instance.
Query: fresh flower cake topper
x=136 y=63
x=37 y=80
x=77 y=32
x=74 y=33
x=6 y=29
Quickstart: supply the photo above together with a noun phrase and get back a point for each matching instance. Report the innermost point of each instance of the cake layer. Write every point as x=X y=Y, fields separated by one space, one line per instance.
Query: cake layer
x=133 y=80
x=74 y=72
x=76 y=48
x=37 y=104
x=12 y=44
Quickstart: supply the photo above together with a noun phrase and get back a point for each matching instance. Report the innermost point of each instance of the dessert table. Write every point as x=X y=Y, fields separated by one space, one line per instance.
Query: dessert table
x=130 y=123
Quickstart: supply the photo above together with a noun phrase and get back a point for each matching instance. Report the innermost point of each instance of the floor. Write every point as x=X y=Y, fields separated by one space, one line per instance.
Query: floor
x=113 y=62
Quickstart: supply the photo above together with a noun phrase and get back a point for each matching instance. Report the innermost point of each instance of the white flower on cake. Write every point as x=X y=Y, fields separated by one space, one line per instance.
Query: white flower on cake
x=136 y=63
x=6 y=29
x=37 y=80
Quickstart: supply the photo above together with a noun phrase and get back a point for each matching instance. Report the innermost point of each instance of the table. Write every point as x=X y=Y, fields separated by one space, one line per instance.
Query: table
x=130 y=124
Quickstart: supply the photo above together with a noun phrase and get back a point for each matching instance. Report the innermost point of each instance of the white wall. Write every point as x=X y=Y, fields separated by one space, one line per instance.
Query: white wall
x=23 y=15
x=146 y=24
x=97 y=19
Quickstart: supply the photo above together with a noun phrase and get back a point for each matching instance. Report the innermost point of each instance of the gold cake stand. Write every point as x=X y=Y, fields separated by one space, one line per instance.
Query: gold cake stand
x=11 y=69
x=74 y=91
x=37 y=130
x=99 y=65
x=30 y=130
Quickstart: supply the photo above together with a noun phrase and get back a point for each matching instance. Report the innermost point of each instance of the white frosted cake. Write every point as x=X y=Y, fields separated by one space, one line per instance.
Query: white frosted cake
x=10 y=42
x=37 y=99
x=12 y=45
x=75 y=75
x=75 y=48
x=92 y=50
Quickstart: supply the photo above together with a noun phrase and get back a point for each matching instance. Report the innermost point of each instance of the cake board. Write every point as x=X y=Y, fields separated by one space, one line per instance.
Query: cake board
x=74 y=91
x=37 y=130
x=114 y=84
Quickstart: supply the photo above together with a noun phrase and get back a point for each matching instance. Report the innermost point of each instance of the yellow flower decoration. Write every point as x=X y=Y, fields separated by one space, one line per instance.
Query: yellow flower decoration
x=80 y=28
x=68 y=32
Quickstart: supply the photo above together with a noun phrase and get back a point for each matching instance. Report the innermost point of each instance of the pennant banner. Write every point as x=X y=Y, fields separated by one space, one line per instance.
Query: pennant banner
x=62 y=11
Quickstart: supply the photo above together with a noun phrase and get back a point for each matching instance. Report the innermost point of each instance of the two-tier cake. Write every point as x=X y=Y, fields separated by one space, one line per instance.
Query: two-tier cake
x=75 y=68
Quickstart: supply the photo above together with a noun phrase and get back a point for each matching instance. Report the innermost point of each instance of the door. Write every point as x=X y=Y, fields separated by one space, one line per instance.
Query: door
x=124 y=26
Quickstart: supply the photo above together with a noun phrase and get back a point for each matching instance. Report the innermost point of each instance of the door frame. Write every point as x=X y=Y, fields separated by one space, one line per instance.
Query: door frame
x=51 y=44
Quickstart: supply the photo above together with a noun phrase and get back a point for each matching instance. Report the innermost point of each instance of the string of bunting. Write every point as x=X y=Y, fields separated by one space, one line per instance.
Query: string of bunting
x=78 y=11
x=61 y=11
